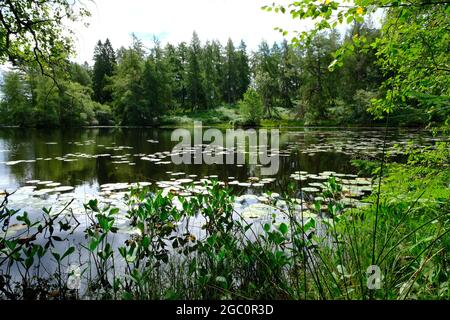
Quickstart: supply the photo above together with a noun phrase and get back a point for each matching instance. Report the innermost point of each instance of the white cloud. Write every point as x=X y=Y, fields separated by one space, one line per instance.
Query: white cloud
x=174 y=21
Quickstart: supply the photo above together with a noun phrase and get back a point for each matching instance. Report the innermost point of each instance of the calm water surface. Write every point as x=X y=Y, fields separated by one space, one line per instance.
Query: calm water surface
x=39 y=162
x=50 y=168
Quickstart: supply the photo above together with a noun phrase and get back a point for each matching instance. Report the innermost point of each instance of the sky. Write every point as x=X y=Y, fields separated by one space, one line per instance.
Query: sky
x=175 y=20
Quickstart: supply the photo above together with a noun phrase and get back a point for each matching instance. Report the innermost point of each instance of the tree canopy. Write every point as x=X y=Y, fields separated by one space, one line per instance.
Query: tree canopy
x=411 y=49
x=321 y=77
x=35 y=32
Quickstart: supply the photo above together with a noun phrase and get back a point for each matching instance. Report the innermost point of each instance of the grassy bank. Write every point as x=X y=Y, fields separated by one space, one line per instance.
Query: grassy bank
x=229 y=116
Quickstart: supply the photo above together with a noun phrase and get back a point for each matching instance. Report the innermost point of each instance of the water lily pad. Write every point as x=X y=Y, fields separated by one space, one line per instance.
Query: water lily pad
x=184 y=181
x=44 y=182
x=64 y=189
x=327 y=173
x=257 y=210
x=306 y=214
x=140 y=184
x=299 y=177
x=166 y=184
x=272 y=195
x=53 y=184
x=42 y=192
x=13 y=163
x=33 y=181
x=363 y=181
x=317 y=177
x=244 y=184
x=312 y=190
x=316 y=184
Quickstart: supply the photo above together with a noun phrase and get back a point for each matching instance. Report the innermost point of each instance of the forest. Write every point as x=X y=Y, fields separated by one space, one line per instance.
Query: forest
x=93 y=206
x=142 y=86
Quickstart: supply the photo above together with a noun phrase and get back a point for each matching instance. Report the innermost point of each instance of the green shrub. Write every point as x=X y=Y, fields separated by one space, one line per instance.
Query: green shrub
x=103 y=114
x=251 y=107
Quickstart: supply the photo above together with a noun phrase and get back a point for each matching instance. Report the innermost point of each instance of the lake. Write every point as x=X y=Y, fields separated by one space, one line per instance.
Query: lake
x=50 y=167
x=54 y=168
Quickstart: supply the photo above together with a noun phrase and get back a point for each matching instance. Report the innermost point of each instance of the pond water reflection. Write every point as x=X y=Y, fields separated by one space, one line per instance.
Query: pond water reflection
x=49 y=165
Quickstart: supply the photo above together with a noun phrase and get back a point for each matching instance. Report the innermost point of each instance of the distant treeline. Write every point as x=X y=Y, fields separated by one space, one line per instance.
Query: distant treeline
x=137 y=86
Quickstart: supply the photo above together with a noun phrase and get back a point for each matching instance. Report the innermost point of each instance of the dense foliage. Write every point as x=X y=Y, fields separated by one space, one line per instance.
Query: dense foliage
x=138 y=86
x=34 y=99
x=324 y=77
x=35 y=32
x=411 y=49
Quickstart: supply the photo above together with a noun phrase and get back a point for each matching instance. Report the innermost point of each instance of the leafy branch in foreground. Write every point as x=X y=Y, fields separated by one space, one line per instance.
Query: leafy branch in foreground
x=412 y=48
x=34 y=32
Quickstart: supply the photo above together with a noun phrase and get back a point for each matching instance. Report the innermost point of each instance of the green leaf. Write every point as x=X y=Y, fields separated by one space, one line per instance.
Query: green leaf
x=283 y=228
x=29 y=262
x=93 y=245
x=56 y=256
x=222 y=281
x=127 y=296
x=68 y=252
x=332 y=64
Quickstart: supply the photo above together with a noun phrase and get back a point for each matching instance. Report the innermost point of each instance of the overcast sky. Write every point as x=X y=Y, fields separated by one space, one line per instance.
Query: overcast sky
x=174 y=21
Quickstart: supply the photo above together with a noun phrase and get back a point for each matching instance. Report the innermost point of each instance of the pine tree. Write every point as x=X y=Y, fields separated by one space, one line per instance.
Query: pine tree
x=156 y=83
x=230 y=88
x=128 y=90
x=219 y=65
x=105 y=63
x=182 y=74
x=196 y=92
x=212 y=78
x=320 y=84
x=288 y=75
x=266 y=75
x=243 y=68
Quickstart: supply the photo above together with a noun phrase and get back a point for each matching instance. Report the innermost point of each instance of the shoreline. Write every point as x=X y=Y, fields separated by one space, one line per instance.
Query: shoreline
x=222 y=125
